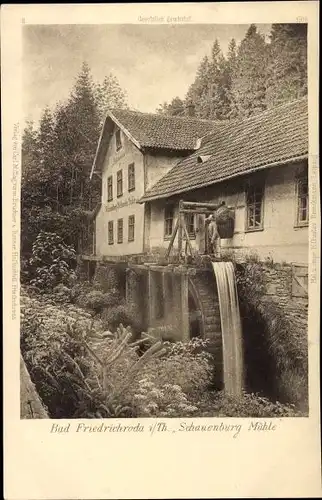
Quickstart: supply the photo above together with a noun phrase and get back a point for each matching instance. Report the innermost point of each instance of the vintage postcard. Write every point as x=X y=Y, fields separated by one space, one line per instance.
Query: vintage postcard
x=161 y=250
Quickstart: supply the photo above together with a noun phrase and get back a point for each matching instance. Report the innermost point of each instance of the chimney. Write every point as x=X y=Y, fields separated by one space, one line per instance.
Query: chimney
x=190 y=109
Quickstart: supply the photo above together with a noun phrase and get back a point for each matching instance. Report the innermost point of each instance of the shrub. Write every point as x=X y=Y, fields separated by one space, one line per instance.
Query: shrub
x=82 y=371
x=98 y=300
x=247 y=405
x=123 y=314
x=62 y=294
x=52 y=262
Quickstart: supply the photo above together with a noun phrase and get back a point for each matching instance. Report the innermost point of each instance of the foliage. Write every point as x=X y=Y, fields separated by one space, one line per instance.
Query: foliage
x=174 y=108
x=254 y=75
x=83 y=371
x=249 y=78
x=247 y=405
x=56 y=191
x=121 y=313
x=52 y=262
x=287 y=70
x=80 y=370
x=98 y=300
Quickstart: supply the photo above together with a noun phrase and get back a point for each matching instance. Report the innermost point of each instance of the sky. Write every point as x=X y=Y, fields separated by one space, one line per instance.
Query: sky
x=153 y=63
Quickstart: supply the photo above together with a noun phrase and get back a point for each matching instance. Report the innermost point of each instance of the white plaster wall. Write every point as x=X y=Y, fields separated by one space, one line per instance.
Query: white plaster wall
x=123 y=206
x=157 y=166
x=280 y=239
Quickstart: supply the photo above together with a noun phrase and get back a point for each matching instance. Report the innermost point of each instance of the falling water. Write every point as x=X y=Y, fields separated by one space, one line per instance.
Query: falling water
x=230 y=327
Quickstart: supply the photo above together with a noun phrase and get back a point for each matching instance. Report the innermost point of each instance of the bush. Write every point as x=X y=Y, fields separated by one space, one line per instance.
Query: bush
x=123 y=314
x=52 y=262
x=81 y=370
x=98 y=300
x=61 y=294
x=247 y=405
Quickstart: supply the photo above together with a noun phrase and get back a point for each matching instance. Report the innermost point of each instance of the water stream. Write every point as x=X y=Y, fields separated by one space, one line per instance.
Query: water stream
x=231 y=328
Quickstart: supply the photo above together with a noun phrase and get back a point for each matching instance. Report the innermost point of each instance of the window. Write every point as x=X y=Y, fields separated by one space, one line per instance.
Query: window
x=302 y=201
x=131 y=228
x=119 y=182
x=131 y=177
x=254 y=204
x=110 y=232
x=120 y=230
x=190 y=225
x=110 y=188
x=118 y=141
x=168 y=221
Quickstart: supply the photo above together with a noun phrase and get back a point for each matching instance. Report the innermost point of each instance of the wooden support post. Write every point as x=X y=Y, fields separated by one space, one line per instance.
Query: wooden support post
x=181 y=222
x=187 y=238
x=184 y=307
x=172 y=239
x=151 y=298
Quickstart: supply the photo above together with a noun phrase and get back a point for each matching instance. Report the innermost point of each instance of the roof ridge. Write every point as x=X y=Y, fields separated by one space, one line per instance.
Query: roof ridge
x=161 y=116
x=271 y=110
x=237 y=120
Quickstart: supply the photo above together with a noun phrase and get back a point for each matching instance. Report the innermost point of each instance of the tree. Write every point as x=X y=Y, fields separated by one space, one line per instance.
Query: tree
x=249 y=79
x=109 y=95
x=287 y=69
x=175 y=108
x=229 y=73
x=198 y=92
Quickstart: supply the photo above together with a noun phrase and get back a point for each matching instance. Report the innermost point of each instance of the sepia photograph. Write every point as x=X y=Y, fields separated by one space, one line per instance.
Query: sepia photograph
x=164 y=242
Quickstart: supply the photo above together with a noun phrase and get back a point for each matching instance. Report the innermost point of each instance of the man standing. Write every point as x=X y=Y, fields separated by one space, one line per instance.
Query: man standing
x=213 y=236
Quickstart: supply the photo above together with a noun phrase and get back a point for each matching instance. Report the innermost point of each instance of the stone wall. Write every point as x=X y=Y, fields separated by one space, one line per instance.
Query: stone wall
x=280 y=280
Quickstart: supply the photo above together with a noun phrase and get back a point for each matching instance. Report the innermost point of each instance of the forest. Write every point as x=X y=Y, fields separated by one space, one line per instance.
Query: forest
x=58 y=201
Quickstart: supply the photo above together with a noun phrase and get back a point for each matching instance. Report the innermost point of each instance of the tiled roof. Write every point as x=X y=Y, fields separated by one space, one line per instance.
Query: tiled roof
x=164 y=132
x=238 y=147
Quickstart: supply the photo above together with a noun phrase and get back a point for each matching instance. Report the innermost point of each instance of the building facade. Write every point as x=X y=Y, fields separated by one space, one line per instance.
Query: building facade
x=271 y=214
x=136 y=150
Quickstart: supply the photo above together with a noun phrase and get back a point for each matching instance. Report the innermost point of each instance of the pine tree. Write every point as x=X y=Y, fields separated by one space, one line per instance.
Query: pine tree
x=287 y=69
x=229 y=73
x=109 y=95
x=249 y=79
x=198 y=92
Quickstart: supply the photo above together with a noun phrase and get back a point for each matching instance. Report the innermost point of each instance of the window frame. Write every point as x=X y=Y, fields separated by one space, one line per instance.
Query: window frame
x=110 y=232
x=131 y=177
x=131 y=225
x=110 y=188
x=120 y=237
x=259 y=185
x=119 y=181
x=168 y=235
x=118 y=139
x=299 y=178
x=191 y=234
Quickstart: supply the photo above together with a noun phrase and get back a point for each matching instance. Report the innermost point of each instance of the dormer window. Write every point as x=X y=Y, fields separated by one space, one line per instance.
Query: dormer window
x=203 y=158
x=118 y=140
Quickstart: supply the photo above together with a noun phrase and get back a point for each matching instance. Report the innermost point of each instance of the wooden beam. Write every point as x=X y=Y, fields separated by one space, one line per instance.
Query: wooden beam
x=150 y=299
x=197 y=204
x=184 y=308
x=172 y=239
x=187 y=238
x=181 y=222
